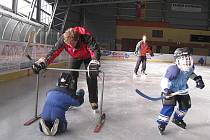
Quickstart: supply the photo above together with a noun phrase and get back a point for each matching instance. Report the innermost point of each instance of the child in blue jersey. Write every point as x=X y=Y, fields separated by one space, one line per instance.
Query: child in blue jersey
x=175 y=79
x=57 y=102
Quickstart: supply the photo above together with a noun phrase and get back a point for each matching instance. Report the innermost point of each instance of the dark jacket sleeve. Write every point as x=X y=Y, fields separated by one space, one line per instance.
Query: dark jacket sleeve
x=93 y=48
x=56 y=50
x=137 y=49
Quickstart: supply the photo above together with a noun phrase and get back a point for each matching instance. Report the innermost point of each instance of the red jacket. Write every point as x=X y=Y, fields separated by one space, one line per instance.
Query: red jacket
x=86 y=47
x=144 y=48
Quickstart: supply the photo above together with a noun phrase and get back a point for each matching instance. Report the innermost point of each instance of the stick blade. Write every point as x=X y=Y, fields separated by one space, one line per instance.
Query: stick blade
x=100 y=123
x=29 y=122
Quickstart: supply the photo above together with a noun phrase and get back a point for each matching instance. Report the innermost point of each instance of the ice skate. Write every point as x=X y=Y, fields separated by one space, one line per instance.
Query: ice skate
x=143 y=75
x=161 y=129
x=135 y=75
x=96 y=111
x=45 y=129
x=54 y=129
x=179 y=123
x=94 y=108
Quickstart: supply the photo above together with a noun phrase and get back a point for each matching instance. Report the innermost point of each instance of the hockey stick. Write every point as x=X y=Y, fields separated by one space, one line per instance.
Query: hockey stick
x=30 y=40
x=102 y=116
x=180 y=92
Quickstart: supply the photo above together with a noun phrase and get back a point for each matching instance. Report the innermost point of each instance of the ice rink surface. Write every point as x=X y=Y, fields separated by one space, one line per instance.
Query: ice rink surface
x=128 y=115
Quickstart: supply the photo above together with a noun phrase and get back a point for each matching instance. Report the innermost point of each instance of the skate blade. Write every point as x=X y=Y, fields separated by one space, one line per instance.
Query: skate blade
x=179 y=125
x=134 y=77
x=100 y=123
x=161 y=133
x=143 y=77
x=95 y=112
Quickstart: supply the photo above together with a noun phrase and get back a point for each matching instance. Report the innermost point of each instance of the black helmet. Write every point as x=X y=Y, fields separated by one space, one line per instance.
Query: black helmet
x=181 y=52
x=65 y=80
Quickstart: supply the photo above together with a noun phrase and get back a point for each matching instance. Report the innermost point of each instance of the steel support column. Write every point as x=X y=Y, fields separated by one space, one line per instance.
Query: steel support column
x=38 y=12
x=208 y=19
x=14 y=6
x=32 y=9
x=51 y=20
x=65 y=17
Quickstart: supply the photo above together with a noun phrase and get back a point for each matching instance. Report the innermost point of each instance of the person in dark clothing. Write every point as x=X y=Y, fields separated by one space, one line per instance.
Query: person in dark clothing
x=82 y=47
x=142 y=48
x=57 y=102
x=201 y=61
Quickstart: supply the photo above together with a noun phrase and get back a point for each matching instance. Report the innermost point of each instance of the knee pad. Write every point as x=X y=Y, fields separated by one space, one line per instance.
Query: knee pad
x=184 y=102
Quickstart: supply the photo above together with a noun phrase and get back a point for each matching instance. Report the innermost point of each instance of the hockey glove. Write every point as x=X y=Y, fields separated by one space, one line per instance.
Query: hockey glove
x=93 y=68
x=80 y=95
x=167 y=92
x=199 y=82
x=37 y=66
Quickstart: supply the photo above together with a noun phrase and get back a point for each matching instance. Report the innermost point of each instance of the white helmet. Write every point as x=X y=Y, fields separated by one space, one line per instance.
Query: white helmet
x=183 y=59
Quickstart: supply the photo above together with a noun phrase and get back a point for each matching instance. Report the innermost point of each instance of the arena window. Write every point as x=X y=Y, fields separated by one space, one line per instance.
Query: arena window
x=24 y=7
x=46 y=11
x=200 y=38
x=157 y=33
x=6 y=3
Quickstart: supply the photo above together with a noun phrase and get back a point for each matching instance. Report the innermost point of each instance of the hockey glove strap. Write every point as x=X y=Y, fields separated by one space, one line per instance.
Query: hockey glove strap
x=36 y=67
x=199 y=82
x=93 y=68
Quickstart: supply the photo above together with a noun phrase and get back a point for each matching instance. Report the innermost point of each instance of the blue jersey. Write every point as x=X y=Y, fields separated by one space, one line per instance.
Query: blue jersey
x=57 y=102
x=175 y=79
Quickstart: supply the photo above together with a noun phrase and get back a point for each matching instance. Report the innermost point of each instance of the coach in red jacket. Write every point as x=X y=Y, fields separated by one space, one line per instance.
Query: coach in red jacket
x=142 y=48
x=82 y=47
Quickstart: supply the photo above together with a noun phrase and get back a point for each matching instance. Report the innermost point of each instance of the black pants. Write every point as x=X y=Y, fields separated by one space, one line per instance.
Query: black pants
x=141 y=59
x=91 y=81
